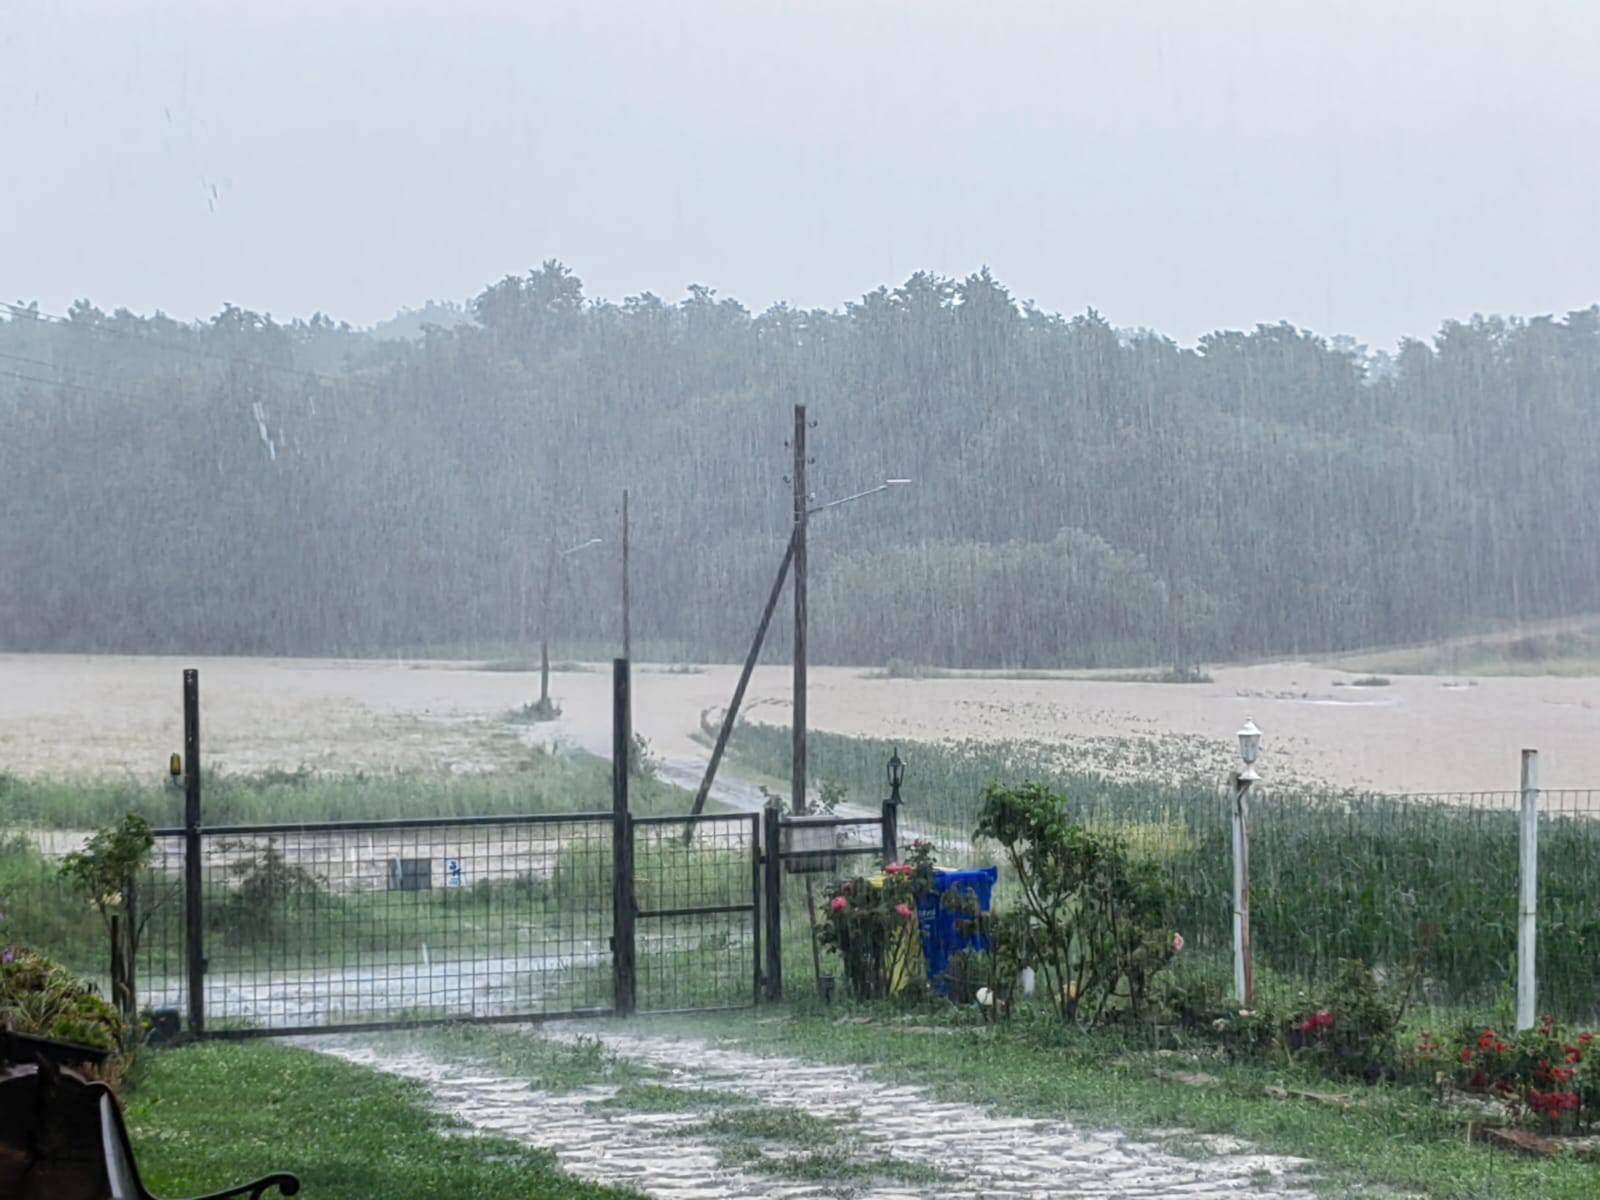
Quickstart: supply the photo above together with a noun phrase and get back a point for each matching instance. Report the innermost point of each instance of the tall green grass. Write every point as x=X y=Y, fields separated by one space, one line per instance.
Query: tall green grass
x=1378 y=878
x=543 y=782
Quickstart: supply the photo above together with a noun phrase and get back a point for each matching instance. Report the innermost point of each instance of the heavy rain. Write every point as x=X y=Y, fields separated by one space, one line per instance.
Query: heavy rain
x=831 y=599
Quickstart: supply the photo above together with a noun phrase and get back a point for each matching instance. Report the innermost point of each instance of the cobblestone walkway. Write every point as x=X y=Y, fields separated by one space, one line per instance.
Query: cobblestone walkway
x=983 y=1154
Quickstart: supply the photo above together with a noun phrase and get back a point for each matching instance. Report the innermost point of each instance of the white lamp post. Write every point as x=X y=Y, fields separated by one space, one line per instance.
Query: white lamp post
x=1243 y=968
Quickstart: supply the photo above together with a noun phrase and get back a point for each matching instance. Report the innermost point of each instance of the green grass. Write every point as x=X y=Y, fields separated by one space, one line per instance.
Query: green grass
x=209 y=1116
x=544 y=1064
x=1395 y=1142
x=535 y=781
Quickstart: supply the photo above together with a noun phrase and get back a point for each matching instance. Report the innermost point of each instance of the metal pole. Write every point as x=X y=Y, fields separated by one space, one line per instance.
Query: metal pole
x=1528 y=898
x=193 y=917
x=627 y=632
x=1243 y=968
x=798 y=780
x=771 y=839
x=891 y=827
x=732 y=715
x=624 y=978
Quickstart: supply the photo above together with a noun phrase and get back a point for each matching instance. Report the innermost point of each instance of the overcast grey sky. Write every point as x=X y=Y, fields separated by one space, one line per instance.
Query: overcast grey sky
x=1360 y=167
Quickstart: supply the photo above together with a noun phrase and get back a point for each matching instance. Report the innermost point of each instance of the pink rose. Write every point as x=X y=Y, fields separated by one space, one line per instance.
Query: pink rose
x=904 y=912
x=1177 y=941
x=840 y=904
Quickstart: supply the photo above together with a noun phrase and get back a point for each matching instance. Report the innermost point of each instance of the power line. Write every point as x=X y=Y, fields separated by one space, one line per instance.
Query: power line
x=79 y=387
x=21 y=312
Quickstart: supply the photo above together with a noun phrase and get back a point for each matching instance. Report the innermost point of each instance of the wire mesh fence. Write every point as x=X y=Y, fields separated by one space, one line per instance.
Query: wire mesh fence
x=384 y=922
x=697 y=936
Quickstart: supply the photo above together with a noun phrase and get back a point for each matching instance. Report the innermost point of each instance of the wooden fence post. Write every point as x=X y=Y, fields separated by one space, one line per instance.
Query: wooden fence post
x=1528 y=894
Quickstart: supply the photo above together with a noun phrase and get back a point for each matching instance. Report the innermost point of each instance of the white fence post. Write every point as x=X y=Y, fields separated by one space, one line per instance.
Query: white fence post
x=1528 y=893
x=1243 y=975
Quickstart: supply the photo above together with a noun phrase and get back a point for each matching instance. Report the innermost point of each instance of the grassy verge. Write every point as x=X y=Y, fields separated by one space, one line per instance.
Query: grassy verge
x=1390 y=1142
x=211 y=1116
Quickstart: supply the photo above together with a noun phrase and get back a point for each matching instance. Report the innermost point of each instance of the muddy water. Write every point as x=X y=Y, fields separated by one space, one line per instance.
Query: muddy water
x=984 y=1154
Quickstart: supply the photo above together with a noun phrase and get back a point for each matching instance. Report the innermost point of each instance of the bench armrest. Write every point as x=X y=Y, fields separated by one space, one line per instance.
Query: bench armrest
x=286 y=1184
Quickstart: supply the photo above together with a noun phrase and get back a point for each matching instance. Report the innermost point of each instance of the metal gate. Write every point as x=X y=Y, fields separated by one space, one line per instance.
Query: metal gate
x=696 y=920
x=338 y=925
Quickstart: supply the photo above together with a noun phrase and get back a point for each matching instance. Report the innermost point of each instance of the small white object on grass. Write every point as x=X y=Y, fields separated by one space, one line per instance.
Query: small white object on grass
x=985 y=997
x=1027 y=981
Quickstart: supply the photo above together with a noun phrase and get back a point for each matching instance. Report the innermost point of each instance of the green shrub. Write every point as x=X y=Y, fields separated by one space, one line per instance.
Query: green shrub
x=1098 y=920
x=41 y=997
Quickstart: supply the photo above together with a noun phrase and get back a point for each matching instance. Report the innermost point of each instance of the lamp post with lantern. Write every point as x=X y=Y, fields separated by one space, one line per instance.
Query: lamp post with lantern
x=891 y=808
x=1244 y=985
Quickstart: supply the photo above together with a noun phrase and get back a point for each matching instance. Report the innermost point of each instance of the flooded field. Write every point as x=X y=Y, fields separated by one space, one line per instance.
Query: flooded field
x=111 y=717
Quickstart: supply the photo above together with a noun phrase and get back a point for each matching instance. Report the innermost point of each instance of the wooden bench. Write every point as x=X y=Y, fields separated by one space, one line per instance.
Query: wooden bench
x=63 y=1138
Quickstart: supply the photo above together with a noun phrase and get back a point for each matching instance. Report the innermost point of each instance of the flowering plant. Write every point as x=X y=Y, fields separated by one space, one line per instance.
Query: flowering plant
x=1548 y=1071
x=866 y=922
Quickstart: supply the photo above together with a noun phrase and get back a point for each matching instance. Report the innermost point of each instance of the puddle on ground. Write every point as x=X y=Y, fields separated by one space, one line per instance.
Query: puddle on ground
x=982 y=1153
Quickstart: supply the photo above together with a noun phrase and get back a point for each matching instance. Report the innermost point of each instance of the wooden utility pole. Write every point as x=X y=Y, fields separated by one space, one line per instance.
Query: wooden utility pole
x=801 y=500
x=627 y=633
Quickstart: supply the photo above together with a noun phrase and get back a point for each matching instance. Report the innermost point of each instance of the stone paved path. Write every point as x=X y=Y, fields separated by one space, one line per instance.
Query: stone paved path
x=987 y=1154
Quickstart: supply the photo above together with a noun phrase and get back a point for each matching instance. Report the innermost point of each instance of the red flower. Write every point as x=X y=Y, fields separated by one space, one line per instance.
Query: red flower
x=1466 y=1054
x=904 y=912
x=839 y=904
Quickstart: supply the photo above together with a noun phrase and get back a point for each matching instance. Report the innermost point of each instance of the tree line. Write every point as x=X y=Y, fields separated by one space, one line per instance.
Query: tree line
x=1083 y=495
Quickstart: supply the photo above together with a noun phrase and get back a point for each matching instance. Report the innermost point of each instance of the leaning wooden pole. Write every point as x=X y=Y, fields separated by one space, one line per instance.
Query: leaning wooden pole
x=732 y=715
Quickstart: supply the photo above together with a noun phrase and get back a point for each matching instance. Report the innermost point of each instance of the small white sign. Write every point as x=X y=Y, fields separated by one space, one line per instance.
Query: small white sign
x=452 y=872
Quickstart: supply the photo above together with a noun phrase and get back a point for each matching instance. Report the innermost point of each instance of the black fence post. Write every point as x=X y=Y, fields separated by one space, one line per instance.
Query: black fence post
x=624 y=976
x=193 y=916
x=757 y=918
x=772 y=834
x=891 y=829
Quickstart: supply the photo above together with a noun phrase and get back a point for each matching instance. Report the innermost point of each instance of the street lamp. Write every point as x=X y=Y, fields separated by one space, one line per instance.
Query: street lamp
x=872 y=491
x=1249 y=746
x=1243 y=968
x=545 y=710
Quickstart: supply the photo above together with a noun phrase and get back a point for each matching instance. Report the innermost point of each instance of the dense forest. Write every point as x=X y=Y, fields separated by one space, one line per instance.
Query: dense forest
x=1083 y=495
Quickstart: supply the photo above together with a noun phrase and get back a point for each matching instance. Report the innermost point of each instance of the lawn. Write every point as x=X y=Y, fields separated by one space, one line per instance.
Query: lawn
x=214 y=1115
x=1392 y=1141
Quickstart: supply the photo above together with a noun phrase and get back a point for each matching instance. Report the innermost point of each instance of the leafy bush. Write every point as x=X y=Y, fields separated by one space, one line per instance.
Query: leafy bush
x=1098 y=920
x=40 y=997
x=267 y=886
x=1352 y=1032
x=106 y=873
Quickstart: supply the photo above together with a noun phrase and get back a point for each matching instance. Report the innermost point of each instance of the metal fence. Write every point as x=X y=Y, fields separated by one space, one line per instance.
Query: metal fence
x=325 y=926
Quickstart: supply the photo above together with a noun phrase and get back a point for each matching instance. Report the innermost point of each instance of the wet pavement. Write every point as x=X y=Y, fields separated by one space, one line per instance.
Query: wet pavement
x=670 y=1154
